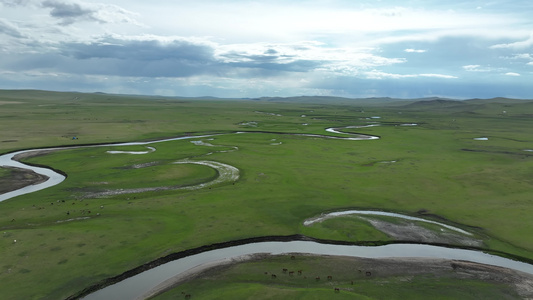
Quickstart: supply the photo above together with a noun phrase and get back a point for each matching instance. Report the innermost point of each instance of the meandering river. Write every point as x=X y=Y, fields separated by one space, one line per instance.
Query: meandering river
x=136 y=286
x=7 y=160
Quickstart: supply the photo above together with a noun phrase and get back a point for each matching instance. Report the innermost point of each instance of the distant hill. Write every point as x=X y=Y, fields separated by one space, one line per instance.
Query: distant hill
x=428 y=102
x=331 y=99
x=435 y=103
x=501 y=100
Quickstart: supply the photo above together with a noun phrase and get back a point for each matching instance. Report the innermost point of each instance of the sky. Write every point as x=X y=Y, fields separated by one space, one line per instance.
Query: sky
x=247 y=49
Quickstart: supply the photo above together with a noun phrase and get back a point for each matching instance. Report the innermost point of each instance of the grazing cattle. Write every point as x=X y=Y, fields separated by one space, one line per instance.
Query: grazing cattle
x=337 y=290
x=299 y=272
x=291 y=273
x=317 y=278
x=368 y=273
x=273 y=276
x=284 y=270
x=188 y=296
x=292 y=257
x=330 y=277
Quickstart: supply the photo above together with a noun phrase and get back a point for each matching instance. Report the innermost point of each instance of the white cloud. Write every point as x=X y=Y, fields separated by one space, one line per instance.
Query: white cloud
x=439 y=76
x=530 y=63
x=414 y=50
x=476 y=68
x=471 y=67
x=523 y=56
x=512 y=74
x=516 y=45
x=375 y=74
x=341 y=60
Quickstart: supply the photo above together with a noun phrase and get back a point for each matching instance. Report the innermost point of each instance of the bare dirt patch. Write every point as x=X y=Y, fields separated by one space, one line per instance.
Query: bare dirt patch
x=19 y=178
x=10 y=102
x=140 y=166
x=409 y=231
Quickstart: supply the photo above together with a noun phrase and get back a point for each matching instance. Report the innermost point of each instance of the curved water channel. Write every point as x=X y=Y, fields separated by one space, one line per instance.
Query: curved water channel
x=54 y=178
x=378 y=213
x=136 y=286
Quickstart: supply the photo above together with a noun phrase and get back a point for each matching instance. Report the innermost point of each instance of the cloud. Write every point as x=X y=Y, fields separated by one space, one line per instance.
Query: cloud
x=475 y=68
x=269 y=47
x=9 y=29
x=471 y=67
x=523 y=56
x=375 y=74
x=14 y=2
x=516 y=45
x=142 y=56
x=139 y=50
x=303 y=56
x=71 y=12
x=512 y=74
x=414 y=51
x=439 y=76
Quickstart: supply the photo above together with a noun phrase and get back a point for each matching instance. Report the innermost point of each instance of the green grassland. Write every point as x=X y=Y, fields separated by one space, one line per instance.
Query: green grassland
x=66 y=241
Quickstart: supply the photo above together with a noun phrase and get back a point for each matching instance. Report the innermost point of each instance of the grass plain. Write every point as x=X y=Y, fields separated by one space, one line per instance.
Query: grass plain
x=66 y=241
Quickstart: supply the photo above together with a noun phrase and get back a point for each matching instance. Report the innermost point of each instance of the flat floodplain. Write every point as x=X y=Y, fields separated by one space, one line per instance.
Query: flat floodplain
x=428 y=162
x=319 y=277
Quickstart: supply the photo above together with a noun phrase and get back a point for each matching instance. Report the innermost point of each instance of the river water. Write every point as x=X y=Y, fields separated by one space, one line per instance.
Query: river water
x=134 y=287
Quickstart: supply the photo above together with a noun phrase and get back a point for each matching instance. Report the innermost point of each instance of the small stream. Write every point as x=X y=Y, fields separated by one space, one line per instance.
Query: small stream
x=6 y=160
x=379 y=213
x=54 y=178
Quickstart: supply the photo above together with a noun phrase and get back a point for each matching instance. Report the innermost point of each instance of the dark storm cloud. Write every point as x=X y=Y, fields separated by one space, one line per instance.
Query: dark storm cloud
x=179 y=58
x=149 y=58
x=140 y=50
x=69 y=13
